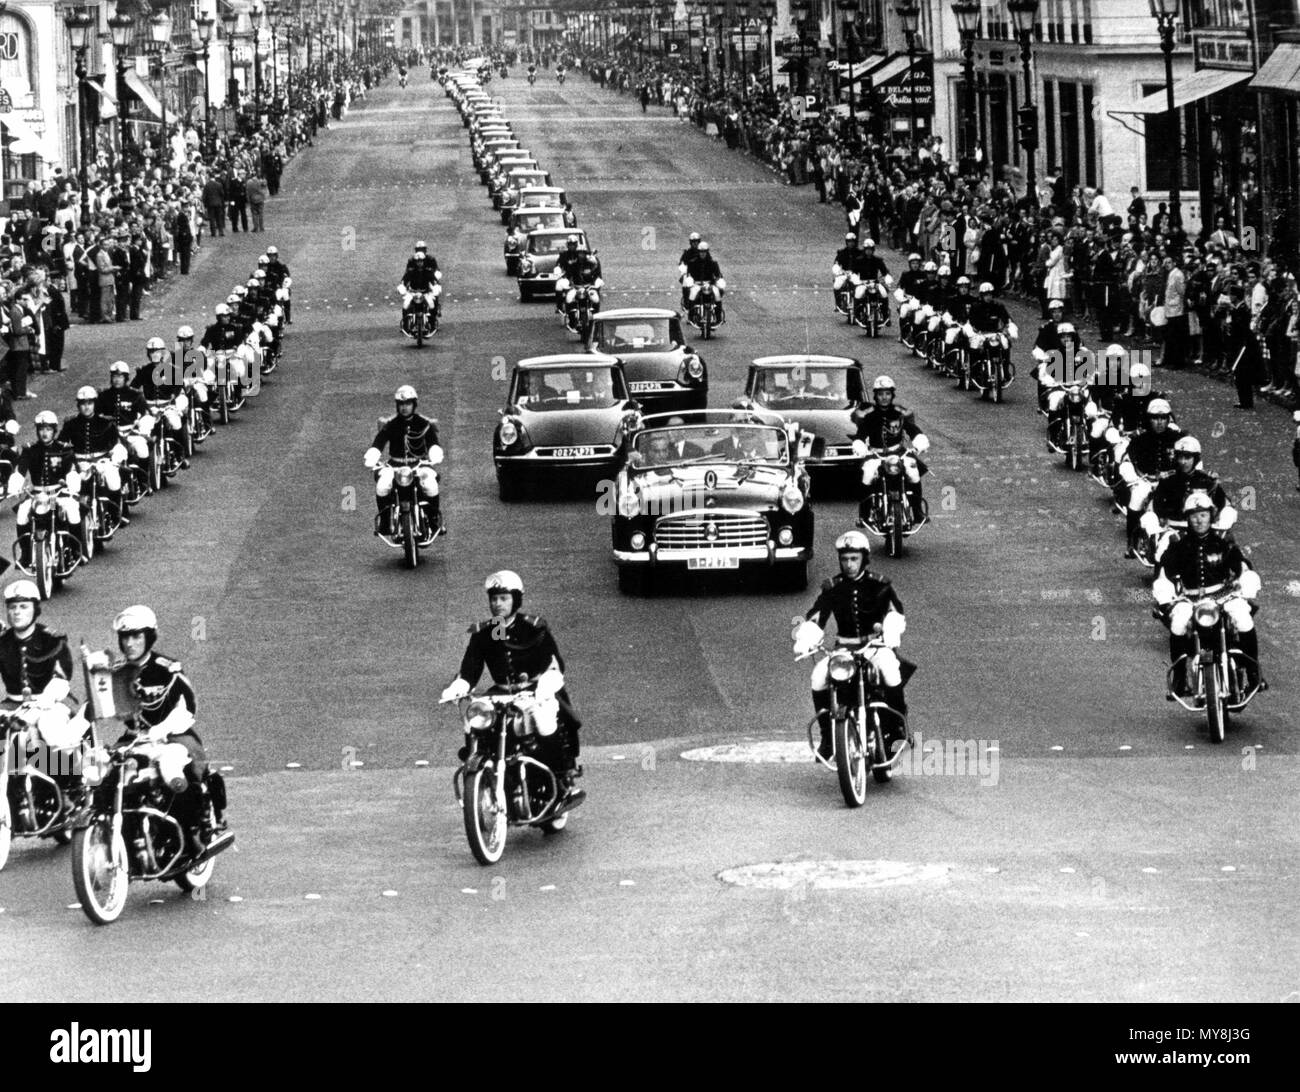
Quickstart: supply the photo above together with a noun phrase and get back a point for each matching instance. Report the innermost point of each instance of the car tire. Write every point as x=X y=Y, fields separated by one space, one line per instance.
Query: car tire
x=633 y=580
x=791 y=577
x=507 y=487
x=523 y=293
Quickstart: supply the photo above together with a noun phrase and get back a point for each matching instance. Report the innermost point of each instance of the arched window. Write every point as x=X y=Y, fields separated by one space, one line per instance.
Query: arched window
x=18 y=71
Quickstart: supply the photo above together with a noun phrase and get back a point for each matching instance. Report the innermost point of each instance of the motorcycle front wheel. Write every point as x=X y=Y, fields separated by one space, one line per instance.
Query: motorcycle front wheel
x=850 y=762
x=44 y=550
x=485 y=826
x=99 y=872
x=409 y=549
x=1216 y=706
x=90 y=521
x=896 y=521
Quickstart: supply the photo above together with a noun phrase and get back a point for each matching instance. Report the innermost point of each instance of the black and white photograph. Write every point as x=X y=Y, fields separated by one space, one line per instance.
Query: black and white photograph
x=763 y=501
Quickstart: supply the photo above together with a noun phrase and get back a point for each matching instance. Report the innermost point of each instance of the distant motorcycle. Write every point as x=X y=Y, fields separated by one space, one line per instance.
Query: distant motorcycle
x=581 y=312
x=101 y=514
x=559 y=76
x=55 y=547
x=405 y=524
x=1068 y=434
x=869 y=312
x=532 y=78
x=864 y=726
x=889 y=513
x=501 y=783
x=991 y=370
x=705 y=312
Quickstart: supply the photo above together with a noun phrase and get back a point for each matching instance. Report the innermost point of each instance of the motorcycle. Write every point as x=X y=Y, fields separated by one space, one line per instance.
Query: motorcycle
x=861 y=720
x=135 y=477
x=1068 y=434
x=869 y=311
x=889 y=513
x=1218 y=682
x=991 y=369
x=501 y=783
x=164 y=449
x=1139 y=541
x=532 y=78
x=35 y=803
x=404 y=524
x=559 y=77
x=401 y=81
x=706 y=312
x=227 y=389
x=128 y=833
x=56 y=551
x=101 y=515
x=581 y=312
x=419 y=319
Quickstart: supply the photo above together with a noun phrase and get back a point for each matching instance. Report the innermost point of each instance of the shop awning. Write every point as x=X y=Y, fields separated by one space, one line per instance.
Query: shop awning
x=889 y=70
x=861 y=70
x=22 y=137
x=1197 y=86
x=143 y=93
x=108 y=105
x=1281 y=72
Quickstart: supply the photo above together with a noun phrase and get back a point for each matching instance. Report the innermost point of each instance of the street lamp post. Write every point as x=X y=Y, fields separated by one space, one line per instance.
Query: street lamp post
x=1166 y=14
x=769 y=20
x=799 y=11
x=204 y=25
x=277 y=22
x=910 y=15
x=160 y=31
x=849 y=11
x=968 y=21
x=257 y=14
x=1024 y=13
x=230 y=20
x=724 y=68
x=742 y=14
x=79 y=21
x=121 y=25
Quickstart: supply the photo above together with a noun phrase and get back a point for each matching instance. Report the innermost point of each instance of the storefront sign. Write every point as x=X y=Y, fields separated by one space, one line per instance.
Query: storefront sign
x=1224 y=51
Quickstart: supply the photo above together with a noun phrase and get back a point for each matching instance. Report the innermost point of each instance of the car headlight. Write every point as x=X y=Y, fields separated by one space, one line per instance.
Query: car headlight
x=509 y=434
x=695 y=367
x=479 y=714
x=840 y=666
x=791 y=499
x=638 y=541
x=1207 y=613
x=785 y=536
x=629 y=505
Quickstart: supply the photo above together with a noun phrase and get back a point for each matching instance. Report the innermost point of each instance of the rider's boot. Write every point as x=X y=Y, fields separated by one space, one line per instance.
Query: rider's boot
x=918 y=505
x=895 y=698
x=1248 y=642
x=1180 y=648
x=1132 y=525
x=823 y=702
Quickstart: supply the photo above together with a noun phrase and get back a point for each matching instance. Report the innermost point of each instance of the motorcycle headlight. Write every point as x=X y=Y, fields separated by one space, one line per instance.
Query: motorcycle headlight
x=509 y=433
x=1207 y=613
x=695 y=367
x=479 y=714
x=42 y=504
x=893 y=465
x=791 y=499
x=629 y=505
x=404 y=475
x=94 y=766
x=840 y=666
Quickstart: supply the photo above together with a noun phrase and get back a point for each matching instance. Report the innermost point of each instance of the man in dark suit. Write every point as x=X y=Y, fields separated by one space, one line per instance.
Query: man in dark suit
x=136 y=263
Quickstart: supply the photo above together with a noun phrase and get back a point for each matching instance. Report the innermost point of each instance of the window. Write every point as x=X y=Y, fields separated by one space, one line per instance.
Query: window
x=1049 y=114
x=1161 y=144
x=1217 y=13
x=1089 y=136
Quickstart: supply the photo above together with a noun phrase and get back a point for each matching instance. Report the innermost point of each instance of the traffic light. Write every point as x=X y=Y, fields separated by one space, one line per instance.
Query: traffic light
x=1027 y=127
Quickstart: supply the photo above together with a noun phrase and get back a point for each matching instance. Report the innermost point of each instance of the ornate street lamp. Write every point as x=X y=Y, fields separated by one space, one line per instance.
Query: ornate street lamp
x=121 y=26
x=849 y=13
x=203 y=28
x=769 y=21
x=1166 y=15
x=742 y=15
x=79 y=21
x=909 y=15
x=230 y=21
x=160 y=33
x=800 y=11
x=1024 y=14
x=968 y=23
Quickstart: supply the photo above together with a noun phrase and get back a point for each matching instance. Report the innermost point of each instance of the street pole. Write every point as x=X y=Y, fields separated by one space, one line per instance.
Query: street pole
x=1025 y=15
x=1166 y=13
x=968 y=20
x=78 y=22
x=121 y=26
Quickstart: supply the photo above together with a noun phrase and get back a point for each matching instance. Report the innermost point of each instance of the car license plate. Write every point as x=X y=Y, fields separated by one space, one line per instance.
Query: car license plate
x=641 y=387
x=713 y=561
x=574 y=452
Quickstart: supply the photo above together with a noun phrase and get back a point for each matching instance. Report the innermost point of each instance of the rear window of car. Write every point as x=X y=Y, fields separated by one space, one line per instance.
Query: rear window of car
x=633 y=334
x=579 y=388
x=806 y=386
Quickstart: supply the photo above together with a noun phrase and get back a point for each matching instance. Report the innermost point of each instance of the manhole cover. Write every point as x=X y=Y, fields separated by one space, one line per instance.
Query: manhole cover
x=774 y=750
x=833 y=875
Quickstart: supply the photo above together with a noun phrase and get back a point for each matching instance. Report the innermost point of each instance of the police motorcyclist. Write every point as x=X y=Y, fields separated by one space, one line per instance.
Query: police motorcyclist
x=162 y=384
x=844 y=267
x=48 y=462
x=1150 y=454
x=584 y=274
x=9 y=429
x=1171 y=494
x=689 y=255
x=862 y=603
x=882 y=425
x=517 y=648
x=421 y=276
x=126 y=408
x=1056 y=350
x=36 y=669
x=95 y=442
x=412 y=440
x=1202 y=562
x=874 y=277
x=195 y=380
x=277 y=276
x=704 y=269
x=570 y=259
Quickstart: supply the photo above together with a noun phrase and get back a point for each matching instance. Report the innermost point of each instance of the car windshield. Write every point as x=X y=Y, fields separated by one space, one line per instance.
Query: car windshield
x=526 y=178
x=710 y=443
x=548 y=389
x=807 y=386
x=637 y=335
x=531 y=221
x=542 y=200
x=549 y=244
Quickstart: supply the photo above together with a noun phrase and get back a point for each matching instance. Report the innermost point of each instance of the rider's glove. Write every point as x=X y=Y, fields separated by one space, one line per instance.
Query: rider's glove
x=807 y=636
x=12 y=427
x=549 y=683
x=457 y=690
x=15 y=484
x=371 y=458
x=860 y=449
x=921 y=442
x=1248 y=583
x=892 y=627
x=435 y=455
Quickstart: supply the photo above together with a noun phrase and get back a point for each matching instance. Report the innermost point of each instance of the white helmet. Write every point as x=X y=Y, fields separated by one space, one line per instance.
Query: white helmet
x=868 y=242
x=222 y=309
x=1137 y=371
x=1052 y=305
x=272 y=251
x=119 y=367
x=963 y=279
x=1188 y=445
x=154 y=344
x=704 y=247
x=694 y=237
x=883 y=383
x=986 y=286
x=929 y=267
x=1158 y=407
x=134 y=619
x=47 y=418
x=87 y=394
x=849 y=237
x=405 y=393
x=945 y=271
x=21 y=590
x=503 y=581
x=853 y=540
x=185 y=333
x=420 y=244
x=1198 y=501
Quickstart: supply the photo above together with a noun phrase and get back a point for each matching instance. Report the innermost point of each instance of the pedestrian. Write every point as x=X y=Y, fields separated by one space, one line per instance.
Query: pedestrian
x=182 y=240
x=1176 y=329
x=237 y=201
x=19 y=340
x=257 y=193
x=214 y=201
x=136 y=262
x=106 y=280
x=1243 y=348
x=55 y=318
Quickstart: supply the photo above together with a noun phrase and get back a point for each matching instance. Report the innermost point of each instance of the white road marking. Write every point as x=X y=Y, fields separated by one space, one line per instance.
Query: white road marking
x=627 y=883
x=293 y=765
x=833 y=875
x=313 y=897
x=390 y=894
x=765 y=751
x=235 y=898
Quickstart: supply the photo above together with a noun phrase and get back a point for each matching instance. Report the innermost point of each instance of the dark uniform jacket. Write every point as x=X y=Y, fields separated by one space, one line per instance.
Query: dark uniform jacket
x=407 y=437
x=1169 y=496
x=988 y=316
x=514 y=649
x=702 y=268
x=1152 y=453
x=159 y=686
x=89 y=436
x=46 y=464
x=34 y=662
x=1201 y=561
x=121 y=405
x=911 y=281
x=1130 y=412
x=857 y=605
x=881 y=428
x=221 y=336
x=419 y=275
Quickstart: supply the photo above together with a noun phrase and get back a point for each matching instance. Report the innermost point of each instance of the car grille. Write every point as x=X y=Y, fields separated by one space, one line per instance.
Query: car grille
x=692 y=532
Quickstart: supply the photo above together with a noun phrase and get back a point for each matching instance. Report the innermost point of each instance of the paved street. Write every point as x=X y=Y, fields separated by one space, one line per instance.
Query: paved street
x=1111 y=852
